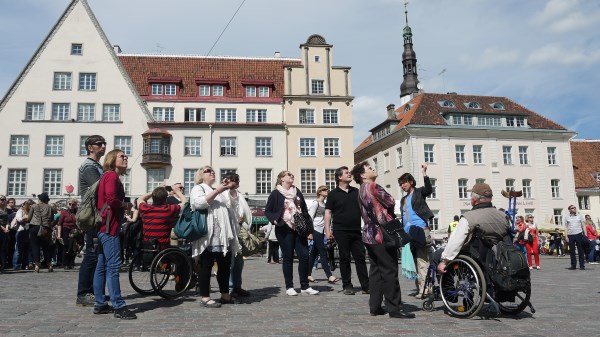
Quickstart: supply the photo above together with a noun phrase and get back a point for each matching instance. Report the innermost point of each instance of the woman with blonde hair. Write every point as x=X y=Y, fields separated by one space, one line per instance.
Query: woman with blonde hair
x=316 y=210
x=283 y=203
x=111 y=206
x=532 y=244
x=21 y=256
x=220 y=243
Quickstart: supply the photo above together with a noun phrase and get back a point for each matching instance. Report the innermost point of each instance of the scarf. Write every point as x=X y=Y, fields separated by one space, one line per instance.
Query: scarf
x=289 y=205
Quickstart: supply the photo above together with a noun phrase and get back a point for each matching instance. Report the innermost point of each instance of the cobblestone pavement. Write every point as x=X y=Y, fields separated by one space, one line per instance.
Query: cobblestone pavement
x=44 y=304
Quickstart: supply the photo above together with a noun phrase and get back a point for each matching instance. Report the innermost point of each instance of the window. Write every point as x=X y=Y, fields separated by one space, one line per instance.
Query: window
x=552 y=156
x=19 y=145
x=386 y=162
x=87 y=81
x=330 y=179
x=459 y=154
x=225 y=115
x=157 y=89
x=217 y=90
x=195 y=115
x=480 y=181
x=477 y=154
x=228 y=146
x=435 y=221
x=163 y=114
x=307 y=116
x=518 y=122
x=111 y=112
x=447 y=104
x=204 y=90
x=226 y=171
x=156 y=146
x=53 y=181
x=62 y=81
x=193 y=146
x=307 y=147
x=264 y=92
x=510 y=184
x=263 y=146
x=473 y=105
x=154 y=178
x=489 y=121
x=263 y=181
x=316 y=86
x=584 y=202
x=433 y=188
x=428 y=153
x=250 y=91
x=462 y=119
x=317 y=59
x=462 y=188
x=523 y=155
x=527 y=189
x=60 y=111
x=308 y=181
x=76 y=49
x=498 y=106
x=126 y=181
x=330 y=116
x=331 y=147
x=555 y=188
x=55 y=145
x=86 y=112
x=124 y=143
x=189 y=176
x=507 y=155
x=82 y=148
x=557 y=212
x=35 y=112
x=399 y=157
x=530 y=211
x=375 y=165
x=170 y=89
x=256 y=116
x=17 y=182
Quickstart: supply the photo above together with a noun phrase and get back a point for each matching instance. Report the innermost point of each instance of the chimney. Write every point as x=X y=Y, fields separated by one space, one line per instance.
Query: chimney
x=277 y=54
x=390 y=111
x=117 y=49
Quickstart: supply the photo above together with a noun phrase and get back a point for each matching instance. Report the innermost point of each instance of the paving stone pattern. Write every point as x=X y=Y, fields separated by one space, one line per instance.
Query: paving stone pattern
x=44 y=304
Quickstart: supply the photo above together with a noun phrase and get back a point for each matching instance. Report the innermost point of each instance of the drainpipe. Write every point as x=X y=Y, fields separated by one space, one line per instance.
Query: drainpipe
x=210 y=128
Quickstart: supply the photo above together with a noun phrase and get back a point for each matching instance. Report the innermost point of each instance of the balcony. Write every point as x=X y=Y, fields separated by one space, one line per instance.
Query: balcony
x=157 y=149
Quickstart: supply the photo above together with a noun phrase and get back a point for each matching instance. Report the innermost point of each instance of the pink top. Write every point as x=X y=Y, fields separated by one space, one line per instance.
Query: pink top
x=591 y=232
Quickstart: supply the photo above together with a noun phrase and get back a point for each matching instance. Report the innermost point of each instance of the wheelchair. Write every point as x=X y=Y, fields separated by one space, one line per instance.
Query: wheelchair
x=168 y=273
x=465 y=288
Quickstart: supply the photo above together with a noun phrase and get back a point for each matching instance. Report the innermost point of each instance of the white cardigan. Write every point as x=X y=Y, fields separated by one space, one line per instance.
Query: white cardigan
x=217 y=213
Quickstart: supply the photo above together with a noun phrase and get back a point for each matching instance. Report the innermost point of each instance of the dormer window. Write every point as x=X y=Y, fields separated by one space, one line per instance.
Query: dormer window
x=258 y=88
x=473 y=105
x=461 y=119
x=447 y=104
x=167 y=86
x=497 y=106
x=407 y=107
x=515 y=121
x=215 y=88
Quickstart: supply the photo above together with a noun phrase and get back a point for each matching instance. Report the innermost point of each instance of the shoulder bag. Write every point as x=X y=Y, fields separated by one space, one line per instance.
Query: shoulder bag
x=192 y=224
x=393 y=232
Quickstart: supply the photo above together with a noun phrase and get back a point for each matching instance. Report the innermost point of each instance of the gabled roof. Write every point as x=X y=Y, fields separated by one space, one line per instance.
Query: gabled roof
x=190 y=69
x=586 y=162
x=425 y=109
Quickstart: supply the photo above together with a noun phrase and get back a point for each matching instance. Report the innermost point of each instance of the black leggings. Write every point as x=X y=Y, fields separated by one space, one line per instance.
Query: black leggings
x=206 y=261
x=36 y=243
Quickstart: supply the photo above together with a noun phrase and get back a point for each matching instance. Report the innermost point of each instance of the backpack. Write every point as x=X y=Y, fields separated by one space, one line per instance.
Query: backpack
x=87 y=217
x=507 y=267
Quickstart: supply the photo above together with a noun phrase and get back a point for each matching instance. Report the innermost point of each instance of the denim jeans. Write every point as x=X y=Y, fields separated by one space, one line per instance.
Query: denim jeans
x=577 y=240
x=85 y=284
x=21 y=256
x=592 y=254
x=107 y=270
x=289 y=241
x=235 y=276
x=319 y=250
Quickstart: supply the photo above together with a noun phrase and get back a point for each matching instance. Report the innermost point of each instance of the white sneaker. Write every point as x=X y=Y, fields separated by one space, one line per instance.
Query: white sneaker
x=593 y=262
x=309 y=291
x=291 y=292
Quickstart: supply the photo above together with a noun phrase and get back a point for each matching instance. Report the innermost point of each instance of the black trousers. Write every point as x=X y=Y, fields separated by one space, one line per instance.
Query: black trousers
x=383 y=278
x=273 y=251
x=206 y=261
x=37 y=243
x=350 y=242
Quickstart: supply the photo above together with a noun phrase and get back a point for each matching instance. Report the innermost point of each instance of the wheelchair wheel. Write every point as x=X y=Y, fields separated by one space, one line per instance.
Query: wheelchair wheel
x=139 y=275
x=171 y=273
x=463 y=287
x=521 y=300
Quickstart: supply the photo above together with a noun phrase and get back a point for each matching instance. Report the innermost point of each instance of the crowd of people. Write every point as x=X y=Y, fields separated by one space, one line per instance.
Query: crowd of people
x=36 y=235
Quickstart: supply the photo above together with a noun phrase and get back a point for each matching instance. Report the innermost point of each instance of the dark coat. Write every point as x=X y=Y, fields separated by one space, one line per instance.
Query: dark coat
x=419 y=203
x=274 y=208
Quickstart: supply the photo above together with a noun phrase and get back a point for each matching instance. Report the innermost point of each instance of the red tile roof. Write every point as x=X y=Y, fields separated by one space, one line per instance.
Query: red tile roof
x=142 y=68
x=426 y=110
x=586 y=162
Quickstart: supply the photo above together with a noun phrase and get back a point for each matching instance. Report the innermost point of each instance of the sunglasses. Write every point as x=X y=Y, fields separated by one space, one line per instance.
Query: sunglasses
x=291 y=175
x=99 y=143
x=2 y=199
x=123 y=156
x=211 y=171
x=75 y=204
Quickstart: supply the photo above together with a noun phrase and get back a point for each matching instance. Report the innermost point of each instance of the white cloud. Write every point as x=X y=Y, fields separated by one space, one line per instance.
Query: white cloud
x=367 y=112
x=553 y=10
x=490 y=58
x=573 y=21
x=560 y=16
x=556 y=54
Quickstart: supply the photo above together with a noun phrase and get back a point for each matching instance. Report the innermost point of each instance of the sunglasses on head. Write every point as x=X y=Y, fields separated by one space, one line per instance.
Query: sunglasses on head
x=211 y=171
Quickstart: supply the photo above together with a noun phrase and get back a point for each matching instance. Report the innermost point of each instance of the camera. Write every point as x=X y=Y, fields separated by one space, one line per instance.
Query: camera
x=168 y=188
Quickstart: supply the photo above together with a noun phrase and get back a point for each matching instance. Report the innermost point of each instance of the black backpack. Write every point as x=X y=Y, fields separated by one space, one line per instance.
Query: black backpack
x=507 y=267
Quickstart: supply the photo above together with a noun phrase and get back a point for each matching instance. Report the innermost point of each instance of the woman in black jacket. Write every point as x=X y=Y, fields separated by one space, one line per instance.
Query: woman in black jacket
x=283 y=203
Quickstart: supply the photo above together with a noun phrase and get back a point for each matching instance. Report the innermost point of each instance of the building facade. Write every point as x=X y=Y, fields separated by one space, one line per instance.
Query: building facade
x=586 y=168
x=172 y=114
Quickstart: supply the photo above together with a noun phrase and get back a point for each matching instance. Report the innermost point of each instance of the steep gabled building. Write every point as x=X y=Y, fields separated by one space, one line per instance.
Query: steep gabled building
x=586 y=168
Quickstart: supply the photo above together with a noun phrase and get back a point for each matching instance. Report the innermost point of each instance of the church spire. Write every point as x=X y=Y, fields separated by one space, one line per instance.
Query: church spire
x=409 y=63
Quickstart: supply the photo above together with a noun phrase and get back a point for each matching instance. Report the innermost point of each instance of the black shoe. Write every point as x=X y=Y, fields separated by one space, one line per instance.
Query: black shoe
x=572 y=268
x=581 y=268
x=105 y=309
x=401 y=314
x=349 y=291
x=124 y=313
x=87 y=300
x=241 y=292
x=366 y=292
x=378 y=312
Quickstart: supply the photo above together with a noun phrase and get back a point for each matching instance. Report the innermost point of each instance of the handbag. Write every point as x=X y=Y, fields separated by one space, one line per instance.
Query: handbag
x=394 y=235
x=191 y=225
x=249 y=242
x=45 y=233
x=303 y=223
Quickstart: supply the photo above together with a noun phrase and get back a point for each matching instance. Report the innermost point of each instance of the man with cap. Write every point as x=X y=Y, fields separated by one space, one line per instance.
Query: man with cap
x=494 y=225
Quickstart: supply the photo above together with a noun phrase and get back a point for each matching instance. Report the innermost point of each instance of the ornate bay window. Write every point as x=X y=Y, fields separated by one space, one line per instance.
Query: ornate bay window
x=157 y=148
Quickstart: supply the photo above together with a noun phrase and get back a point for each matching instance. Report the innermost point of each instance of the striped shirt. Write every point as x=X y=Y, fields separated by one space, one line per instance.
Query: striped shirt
x=157 y=221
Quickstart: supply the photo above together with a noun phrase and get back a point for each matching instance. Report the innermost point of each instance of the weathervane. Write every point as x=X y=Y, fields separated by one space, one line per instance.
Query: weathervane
x=406 y=11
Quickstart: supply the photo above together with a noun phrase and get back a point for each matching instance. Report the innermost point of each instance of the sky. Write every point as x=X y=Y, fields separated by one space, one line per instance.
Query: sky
x=543 y=54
